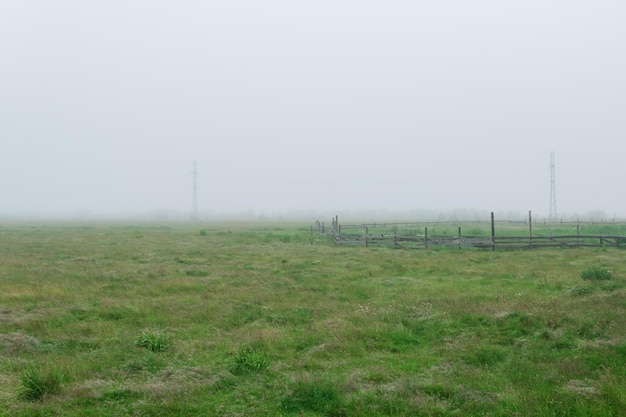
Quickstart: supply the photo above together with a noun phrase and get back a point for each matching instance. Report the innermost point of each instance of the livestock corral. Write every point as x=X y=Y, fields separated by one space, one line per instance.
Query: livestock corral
x=493 y=234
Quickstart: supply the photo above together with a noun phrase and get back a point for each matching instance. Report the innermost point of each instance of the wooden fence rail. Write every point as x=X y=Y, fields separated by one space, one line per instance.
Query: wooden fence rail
x=482 y=242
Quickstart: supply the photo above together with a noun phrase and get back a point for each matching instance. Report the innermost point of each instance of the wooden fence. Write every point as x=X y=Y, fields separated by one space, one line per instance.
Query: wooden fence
x=515 y=234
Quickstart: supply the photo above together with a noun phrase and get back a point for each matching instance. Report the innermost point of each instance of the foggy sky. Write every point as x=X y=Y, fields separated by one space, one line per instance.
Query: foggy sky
x=324 y=105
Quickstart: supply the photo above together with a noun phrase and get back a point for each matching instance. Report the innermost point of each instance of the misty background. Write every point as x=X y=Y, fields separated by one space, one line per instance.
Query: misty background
x=311 y=107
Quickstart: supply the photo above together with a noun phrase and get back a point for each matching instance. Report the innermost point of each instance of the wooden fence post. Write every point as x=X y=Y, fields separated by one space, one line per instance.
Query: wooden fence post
x=426 y=237
x=395 y=235
x=530 y=228
x=493 y=233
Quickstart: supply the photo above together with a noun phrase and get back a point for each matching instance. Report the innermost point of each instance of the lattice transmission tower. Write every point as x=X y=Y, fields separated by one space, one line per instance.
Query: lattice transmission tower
x=194 y=196
x=553 y=214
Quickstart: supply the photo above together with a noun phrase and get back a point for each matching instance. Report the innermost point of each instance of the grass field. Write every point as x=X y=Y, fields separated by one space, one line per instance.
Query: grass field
x=254 y=320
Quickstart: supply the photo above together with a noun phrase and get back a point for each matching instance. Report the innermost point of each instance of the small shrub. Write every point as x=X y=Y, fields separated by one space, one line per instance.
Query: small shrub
x=250 y=360
x=35 y=384
x=154 y=341
x=202 y=232
x=595 y=273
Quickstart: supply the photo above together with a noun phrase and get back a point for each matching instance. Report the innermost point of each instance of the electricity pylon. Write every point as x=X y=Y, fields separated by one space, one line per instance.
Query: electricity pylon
x=553 y=214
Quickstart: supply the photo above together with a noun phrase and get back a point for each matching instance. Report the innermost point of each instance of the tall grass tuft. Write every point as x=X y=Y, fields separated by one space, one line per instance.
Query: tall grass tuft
x=154 y=341
x=250 y=360
x=36 y=384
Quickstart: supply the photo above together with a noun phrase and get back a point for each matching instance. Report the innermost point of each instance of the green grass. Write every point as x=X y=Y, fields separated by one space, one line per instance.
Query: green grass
x=154 y=341
x=37 y=384
x=249 y=359
x=253 y=319
x=318 y=396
